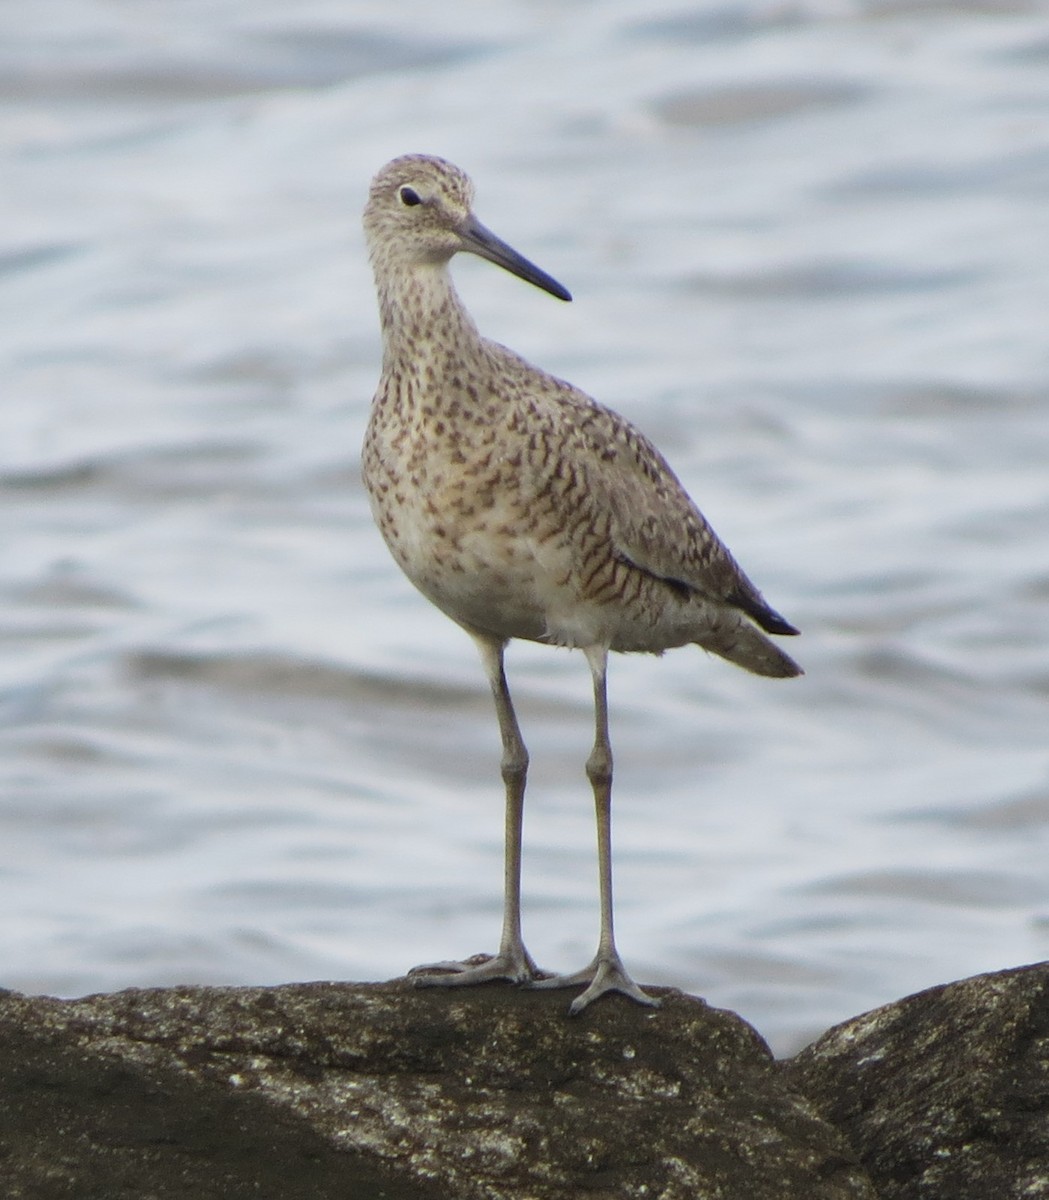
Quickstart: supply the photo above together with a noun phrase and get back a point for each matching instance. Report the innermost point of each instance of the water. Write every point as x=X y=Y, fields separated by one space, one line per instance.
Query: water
x=807 y=243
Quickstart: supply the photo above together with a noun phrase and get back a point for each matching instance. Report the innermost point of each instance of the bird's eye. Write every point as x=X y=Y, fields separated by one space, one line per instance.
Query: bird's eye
x=410 y=197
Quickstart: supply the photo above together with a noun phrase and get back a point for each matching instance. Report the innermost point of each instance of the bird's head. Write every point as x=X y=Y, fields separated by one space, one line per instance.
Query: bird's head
x=420 y=211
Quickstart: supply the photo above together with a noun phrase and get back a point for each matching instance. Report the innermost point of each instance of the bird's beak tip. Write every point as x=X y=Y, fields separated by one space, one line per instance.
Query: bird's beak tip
x=482 y=242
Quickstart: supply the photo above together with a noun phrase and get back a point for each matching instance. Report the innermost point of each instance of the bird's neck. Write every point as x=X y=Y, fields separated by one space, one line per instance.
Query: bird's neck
x=422 y=317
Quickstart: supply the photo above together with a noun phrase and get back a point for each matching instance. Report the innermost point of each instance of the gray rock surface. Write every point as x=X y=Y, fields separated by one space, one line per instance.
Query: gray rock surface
x=373 y=1091
x=944 y=1095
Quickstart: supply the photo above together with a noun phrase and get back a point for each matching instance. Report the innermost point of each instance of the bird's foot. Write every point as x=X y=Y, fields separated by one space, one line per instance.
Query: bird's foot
x=605 y=974
x=514 y=966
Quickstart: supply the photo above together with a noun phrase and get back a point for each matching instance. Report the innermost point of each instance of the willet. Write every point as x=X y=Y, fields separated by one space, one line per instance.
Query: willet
x=521 y=508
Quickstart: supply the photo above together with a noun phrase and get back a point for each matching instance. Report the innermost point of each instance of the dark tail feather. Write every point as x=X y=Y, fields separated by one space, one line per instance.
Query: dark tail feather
x=753 y=604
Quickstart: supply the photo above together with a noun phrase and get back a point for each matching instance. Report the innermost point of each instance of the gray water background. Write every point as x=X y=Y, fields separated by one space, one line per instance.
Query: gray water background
x=809 y=246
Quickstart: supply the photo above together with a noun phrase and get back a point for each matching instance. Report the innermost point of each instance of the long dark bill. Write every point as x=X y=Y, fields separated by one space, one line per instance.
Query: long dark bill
x=481 y=241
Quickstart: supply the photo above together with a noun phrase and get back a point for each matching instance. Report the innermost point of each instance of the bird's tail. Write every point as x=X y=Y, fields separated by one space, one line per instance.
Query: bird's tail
x=749 y=648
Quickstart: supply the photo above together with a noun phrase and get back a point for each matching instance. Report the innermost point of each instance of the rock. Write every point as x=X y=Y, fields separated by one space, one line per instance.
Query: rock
x=370 y=1091
x=945 y=1095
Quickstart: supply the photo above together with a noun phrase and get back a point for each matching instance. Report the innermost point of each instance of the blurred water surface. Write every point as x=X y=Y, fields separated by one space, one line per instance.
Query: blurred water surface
x=808 y=243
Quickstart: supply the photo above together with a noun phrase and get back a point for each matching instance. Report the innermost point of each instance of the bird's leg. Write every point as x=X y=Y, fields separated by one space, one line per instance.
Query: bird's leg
x=606 y=972
x=512 y=962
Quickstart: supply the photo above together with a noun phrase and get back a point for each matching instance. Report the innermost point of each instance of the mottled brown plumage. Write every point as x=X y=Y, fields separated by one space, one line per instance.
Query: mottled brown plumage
x=522 y=508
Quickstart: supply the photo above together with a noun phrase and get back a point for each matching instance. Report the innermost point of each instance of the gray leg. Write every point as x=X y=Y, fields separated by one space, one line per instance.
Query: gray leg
x=606 y=972
x=513 y=962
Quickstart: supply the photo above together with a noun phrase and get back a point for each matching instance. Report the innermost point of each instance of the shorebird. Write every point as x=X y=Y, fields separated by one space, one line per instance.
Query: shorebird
x=522 y=508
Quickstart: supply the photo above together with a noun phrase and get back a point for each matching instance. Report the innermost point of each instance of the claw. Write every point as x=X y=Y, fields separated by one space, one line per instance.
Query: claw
x=479 y=968
x=604 y=974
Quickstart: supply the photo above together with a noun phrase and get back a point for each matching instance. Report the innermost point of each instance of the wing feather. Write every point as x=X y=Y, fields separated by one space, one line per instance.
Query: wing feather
x=656 y=526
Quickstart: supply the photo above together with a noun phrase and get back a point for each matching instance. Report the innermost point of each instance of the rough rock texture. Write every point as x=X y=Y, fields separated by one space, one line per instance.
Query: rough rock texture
x=379 y=1090
x=945 y=1095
